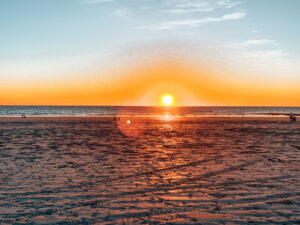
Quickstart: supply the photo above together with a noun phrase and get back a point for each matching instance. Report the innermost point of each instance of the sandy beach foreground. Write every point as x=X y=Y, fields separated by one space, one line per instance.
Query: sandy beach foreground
x=149 y=170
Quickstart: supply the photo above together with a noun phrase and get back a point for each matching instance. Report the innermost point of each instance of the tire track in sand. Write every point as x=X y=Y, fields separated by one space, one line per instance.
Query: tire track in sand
x=151 y=172
x=173 y=185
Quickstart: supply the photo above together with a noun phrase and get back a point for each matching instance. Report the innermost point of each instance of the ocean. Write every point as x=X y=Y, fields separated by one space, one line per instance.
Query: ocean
x=201 y=111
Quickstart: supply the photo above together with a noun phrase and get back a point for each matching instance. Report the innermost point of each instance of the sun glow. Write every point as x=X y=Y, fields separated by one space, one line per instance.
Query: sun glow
x=167 y=100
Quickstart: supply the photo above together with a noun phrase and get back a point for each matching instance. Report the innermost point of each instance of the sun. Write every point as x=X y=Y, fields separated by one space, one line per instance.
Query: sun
x=167 y=100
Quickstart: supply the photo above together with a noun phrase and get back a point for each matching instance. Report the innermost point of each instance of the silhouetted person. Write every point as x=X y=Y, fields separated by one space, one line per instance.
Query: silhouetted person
x=294 y=119
x=291 y=117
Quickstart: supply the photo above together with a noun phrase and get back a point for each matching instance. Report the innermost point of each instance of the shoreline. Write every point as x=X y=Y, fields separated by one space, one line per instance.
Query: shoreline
x=154 y=119
x=152 y=116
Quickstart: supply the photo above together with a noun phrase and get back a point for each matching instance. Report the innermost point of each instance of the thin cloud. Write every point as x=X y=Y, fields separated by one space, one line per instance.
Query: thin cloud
x=194 y=22
x=121 y=12
x=180 y=13
x=258 y=42
x=251 y=43
x=271 y=54
x=194 y=6
x=94 y=1
x=263 y=60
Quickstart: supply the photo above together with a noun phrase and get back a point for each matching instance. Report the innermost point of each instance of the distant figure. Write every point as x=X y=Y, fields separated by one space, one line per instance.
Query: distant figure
x=23 y=116
x=292 y=118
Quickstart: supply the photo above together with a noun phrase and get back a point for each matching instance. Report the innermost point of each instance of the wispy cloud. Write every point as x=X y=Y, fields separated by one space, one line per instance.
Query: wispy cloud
x=194 y=6
x=268 y=54
x=257 y=42
x=121 y=12
x=193 y=22
x=171 y=14
x=251 y=43
x=259 y=55
x=254 y=43
x=275 y=60
x=94 y=1
x=194 y=13
x=266 y=60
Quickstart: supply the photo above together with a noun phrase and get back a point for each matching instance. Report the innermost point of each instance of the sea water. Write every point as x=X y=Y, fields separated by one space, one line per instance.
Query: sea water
x=145 y=111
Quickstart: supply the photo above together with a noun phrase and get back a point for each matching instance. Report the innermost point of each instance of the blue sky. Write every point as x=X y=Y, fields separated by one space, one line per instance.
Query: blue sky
x=58 y=39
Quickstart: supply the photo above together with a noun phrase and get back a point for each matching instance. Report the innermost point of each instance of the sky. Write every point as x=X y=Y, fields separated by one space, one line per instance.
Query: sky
x=130 y=52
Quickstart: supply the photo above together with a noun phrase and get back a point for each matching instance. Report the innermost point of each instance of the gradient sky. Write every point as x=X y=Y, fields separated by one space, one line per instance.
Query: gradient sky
x=129 y=52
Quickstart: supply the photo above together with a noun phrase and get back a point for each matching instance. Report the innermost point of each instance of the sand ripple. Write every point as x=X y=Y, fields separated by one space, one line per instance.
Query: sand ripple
x=181 y=171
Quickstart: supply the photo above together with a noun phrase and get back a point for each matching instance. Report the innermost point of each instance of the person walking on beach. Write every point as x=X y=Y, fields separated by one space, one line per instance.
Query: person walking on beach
x=292 y=118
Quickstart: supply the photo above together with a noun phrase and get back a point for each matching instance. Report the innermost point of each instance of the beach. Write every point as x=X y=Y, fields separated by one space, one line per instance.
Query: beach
x=144 y=170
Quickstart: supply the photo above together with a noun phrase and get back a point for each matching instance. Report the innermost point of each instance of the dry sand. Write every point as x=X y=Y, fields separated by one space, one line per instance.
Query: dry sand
x=149 y=171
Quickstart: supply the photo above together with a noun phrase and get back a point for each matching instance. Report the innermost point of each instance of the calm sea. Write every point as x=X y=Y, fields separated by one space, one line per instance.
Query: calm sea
x=145 y=111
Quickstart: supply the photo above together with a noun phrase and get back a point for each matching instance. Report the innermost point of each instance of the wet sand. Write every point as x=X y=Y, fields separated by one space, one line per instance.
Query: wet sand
x=149 y=171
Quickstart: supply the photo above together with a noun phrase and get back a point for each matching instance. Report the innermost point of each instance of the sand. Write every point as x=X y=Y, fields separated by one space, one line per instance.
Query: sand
x=149 y=171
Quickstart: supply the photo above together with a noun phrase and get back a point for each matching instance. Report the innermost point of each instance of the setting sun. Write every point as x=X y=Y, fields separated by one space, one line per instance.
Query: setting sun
x=167 y=100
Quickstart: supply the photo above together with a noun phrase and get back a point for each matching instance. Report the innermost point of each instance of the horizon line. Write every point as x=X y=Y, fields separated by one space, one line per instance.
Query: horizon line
x=153 y=106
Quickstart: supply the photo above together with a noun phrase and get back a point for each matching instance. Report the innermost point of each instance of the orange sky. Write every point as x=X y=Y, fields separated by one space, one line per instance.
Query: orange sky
x=189 y=83
x=124 y=52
